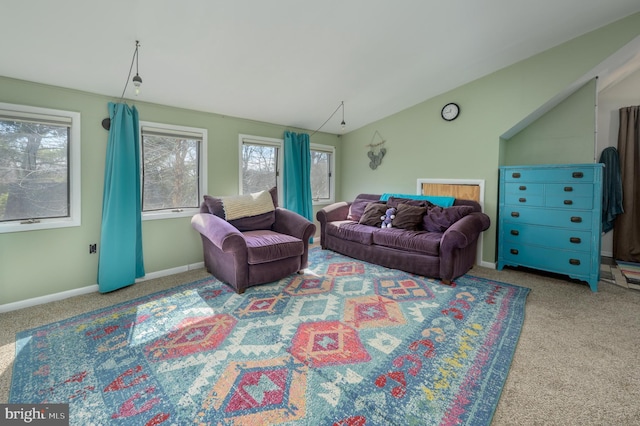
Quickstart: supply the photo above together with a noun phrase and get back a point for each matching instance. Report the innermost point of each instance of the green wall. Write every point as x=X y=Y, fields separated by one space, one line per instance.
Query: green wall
x=421 y=145
x=39 y=263
x=565 y=134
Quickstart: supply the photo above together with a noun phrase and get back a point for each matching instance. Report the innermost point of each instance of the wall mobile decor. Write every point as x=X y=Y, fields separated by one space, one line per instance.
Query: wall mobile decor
x=376 y=159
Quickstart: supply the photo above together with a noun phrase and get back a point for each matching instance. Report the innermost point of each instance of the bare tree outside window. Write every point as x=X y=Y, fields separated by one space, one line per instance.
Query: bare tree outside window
x=34 y=170
x=259 y=167
x=170 y=172
x=320 y=175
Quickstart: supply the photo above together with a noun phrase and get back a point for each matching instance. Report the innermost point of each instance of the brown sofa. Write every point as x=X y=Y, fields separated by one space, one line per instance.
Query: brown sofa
x=443 y=245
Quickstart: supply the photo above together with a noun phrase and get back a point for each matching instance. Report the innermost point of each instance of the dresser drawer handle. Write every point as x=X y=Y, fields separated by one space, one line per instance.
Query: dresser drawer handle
x=515 y=175
x=575 y=240
x=574 y=261
x=515 y=232
x=515 y=214
x=577 y=175
x=568 y=202
x=568 y=188
x=522 y=200
x=522 y=188
x=576 y=219
x=513 y=251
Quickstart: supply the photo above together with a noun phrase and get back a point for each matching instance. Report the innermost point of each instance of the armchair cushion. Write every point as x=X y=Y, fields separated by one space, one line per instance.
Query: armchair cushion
x=268 y=246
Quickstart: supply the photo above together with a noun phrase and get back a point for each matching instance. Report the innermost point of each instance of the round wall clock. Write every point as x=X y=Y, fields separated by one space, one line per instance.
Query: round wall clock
x=450 y=111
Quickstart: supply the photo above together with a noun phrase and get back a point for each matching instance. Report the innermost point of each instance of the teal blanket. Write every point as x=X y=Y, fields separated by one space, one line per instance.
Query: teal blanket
x=441 y=201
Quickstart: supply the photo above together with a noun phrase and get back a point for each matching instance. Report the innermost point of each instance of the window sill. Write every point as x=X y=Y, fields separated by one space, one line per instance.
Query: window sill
x=169 y=214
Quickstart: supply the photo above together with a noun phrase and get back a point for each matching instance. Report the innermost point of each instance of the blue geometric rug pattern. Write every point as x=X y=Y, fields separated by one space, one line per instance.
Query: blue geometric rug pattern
x=346 y=343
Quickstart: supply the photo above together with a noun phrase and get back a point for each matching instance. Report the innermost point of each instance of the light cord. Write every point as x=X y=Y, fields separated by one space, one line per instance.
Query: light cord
x=330 y=117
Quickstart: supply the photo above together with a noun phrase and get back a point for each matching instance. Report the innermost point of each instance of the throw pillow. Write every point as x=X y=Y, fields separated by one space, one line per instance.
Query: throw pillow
x=395 y=202
x=357 y=208
x=408 y=217
x=439 y=219
x=372 y=214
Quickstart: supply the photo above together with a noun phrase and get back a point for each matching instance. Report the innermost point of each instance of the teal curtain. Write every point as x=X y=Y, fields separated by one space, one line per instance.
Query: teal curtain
x=120 y=259
x=297 y=174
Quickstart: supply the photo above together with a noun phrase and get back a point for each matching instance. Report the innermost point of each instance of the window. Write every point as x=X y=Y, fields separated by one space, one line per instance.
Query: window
x=39 y=168
x=173 y=170
x=322 y=179
x=260 y=164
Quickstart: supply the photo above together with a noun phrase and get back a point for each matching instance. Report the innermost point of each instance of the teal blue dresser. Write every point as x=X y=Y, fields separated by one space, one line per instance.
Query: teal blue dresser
x=550 y=219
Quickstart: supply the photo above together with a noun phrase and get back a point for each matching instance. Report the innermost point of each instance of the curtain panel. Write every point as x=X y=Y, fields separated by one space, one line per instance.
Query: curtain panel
x=120 y=255
x=297 y=174
x=626 y=234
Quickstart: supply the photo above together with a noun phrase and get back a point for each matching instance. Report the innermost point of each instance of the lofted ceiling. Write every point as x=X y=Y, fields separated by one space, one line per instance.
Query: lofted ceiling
x=288 y=62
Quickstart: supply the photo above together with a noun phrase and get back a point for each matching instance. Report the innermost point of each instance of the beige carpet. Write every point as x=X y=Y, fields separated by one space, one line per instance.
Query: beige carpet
x=577 y=361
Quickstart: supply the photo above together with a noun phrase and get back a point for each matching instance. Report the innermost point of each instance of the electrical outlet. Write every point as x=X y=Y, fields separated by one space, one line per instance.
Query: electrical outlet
x=93 y=248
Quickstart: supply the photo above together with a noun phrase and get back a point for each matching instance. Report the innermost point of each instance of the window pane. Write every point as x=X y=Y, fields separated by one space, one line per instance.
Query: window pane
x=34 y=170
x=170 y=172
x=259 y=169
x=320 y=175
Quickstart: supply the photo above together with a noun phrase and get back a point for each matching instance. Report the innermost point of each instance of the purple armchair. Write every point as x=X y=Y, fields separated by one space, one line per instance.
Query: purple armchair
x=255 y=249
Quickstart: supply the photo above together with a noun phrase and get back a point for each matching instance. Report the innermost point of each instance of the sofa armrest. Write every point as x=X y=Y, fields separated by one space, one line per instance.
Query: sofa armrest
x=332 y=212
x=220 y=232
x=464 y=232
x=291 y=223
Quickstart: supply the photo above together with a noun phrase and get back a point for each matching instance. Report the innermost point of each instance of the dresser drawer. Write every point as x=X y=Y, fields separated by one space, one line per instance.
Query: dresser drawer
x=571 y=203
x=548 y=259
x=569 y=190
x=556 y=174
x=524 y=188
x=548 y=217
x=563 y=239
x=524 y=199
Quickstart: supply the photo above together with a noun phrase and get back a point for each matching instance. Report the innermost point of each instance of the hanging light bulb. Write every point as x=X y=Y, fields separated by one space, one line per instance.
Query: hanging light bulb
x=343 y=124
x=137 y=81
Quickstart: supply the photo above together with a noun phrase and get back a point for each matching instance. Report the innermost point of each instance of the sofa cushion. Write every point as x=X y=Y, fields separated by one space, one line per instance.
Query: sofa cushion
x=439 y=219
x=372 y=214
x=415 y=241
x=408 y=217
x=351 y=231
x=268 y=246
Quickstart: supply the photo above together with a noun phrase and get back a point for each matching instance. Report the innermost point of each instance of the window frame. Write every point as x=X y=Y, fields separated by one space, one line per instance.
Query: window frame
x=202 y=172
x=332 y=172
x=74 y=218
x=260 y=140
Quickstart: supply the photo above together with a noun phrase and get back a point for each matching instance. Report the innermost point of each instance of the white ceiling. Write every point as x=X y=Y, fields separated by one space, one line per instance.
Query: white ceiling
x=289 y=62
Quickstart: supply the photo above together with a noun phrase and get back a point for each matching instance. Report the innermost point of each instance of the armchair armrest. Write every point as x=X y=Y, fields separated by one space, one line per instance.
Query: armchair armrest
x=291 y=223
x=220 y=232
x=464 y=232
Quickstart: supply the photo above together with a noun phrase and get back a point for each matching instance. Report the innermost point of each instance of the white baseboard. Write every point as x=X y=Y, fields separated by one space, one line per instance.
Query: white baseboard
x=27 y=303
x=490 y=265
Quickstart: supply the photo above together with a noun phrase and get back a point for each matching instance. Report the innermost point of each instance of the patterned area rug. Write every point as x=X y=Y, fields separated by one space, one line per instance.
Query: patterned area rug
x=347 y=343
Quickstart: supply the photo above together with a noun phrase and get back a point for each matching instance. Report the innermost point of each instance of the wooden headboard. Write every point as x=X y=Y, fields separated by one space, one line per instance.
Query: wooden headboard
x=458 y=188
